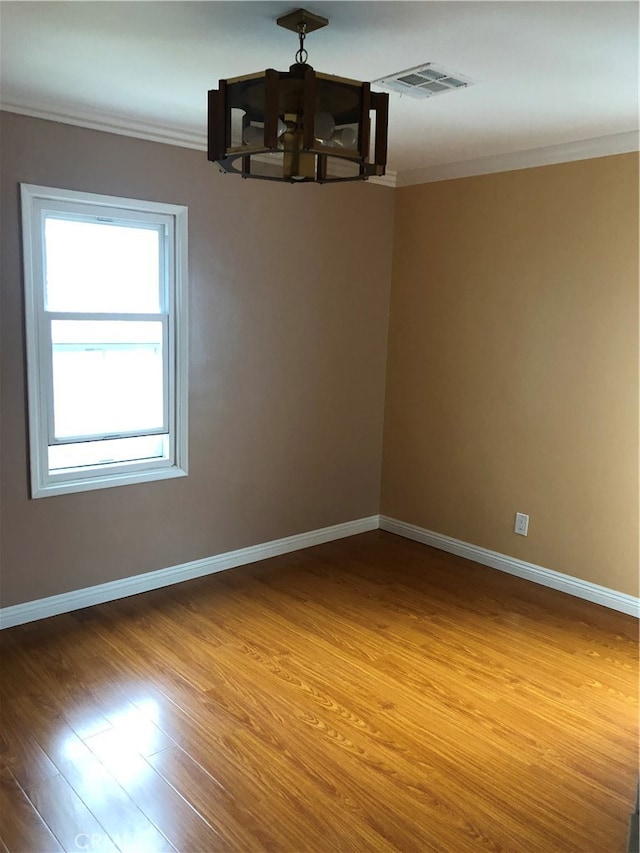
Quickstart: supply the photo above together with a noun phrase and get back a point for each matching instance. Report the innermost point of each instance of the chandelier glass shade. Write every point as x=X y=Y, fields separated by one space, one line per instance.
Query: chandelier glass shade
x=298 y=125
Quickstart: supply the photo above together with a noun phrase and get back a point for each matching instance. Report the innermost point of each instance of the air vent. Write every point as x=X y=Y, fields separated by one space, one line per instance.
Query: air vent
x=423 y=81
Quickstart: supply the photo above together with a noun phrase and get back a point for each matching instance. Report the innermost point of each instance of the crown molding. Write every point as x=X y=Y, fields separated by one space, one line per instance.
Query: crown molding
x=389 y=179
x=138 y=130
x=114 y=124
x=584 y=149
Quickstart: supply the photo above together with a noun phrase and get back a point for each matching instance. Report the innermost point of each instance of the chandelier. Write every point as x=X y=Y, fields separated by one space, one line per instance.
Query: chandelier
x=298 y=125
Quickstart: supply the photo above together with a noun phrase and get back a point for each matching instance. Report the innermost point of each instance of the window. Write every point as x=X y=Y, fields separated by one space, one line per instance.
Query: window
x=106 y=327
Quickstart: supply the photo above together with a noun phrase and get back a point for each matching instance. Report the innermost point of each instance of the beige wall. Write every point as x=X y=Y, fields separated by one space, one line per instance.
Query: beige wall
x=512 y=380
x=512 y=365
x=289 y=290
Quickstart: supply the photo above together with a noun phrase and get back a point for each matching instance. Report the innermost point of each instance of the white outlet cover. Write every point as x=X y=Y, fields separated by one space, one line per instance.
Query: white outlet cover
x=522 y=524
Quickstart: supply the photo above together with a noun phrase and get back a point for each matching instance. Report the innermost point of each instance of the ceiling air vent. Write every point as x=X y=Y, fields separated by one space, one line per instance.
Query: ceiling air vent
x=423 y=81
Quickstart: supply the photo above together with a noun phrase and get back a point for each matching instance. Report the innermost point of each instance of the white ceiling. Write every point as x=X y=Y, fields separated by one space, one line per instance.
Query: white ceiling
x=547 y=73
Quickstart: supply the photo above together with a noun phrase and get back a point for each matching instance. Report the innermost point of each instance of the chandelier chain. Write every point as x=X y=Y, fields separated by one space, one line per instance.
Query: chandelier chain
x=302 y=55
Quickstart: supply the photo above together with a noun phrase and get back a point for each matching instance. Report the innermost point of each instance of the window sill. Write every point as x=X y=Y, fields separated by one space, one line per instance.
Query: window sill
x=106 y=481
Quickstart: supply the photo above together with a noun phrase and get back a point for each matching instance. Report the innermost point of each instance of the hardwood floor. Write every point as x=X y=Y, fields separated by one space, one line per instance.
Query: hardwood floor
x=363 y=695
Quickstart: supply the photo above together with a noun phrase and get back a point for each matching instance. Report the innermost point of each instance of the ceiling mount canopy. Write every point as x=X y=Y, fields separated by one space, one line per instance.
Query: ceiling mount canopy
x=298 y=125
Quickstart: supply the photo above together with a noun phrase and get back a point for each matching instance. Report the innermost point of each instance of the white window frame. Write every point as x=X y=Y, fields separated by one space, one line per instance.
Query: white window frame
x=171 y=221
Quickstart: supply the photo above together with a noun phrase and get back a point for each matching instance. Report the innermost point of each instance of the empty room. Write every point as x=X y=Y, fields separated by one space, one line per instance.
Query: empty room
x=319 y=427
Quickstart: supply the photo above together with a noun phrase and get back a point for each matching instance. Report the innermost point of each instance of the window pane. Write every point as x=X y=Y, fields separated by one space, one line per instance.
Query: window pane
x=99 y=267
x=107 y=377
x=107 y=452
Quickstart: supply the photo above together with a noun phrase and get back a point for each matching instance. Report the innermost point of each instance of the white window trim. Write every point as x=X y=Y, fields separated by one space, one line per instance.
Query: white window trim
x=44 y=484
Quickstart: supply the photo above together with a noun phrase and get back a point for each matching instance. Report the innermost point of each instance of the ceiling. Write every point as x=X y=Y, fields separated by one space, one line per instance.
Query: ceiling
x=545 y=73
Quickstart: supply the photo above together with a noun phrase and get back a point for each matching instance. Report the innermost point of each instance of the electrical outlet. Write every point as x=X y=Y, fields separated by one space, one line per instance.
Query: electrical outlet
x=522 y=524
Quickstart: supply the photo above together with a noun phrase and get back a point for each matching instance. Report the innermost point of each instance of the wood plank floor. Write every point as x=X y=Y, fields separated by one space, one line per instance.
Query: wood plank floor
x=364 y=695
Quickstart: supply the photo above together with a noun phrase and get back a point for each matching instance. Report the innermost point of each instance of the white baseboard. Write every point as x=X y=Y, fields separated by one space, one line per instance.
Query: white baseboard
x=546 y=577
x=42 y=608
x=18 y=614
